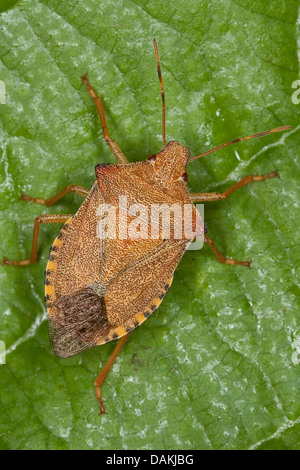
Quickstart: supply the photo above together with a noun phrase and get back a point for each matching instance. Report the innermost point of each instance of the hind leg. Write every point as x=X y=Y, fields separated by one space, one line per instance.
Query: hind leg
x=100 y=379
x=222 y=258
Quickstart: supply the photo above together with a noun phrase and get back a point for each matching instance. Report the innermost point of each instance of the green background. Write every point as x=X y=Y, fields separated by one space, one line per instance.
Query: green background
x=216 y=366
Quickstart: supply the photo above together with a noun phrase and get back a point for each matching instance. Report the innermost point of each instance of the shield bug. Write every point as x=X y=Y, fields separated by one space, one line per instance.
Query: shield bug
x=99 y=288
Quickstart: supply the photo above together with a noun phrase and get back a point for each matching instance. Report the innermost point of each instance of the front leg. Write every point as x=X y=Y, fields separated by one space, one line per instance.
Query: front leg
x=205 y=197
x=112 y=144
x=75 y=188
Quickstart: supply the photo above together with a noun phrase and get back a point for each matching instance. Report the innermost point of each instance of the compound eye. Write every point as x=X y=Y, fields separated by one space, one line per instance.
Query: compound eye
x=184 y=177
x=152 y=158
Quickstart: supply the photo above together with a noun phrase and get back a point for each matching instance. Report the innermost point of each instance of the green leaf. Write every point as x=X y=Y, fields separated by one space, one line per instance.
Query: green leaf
x=217 y=366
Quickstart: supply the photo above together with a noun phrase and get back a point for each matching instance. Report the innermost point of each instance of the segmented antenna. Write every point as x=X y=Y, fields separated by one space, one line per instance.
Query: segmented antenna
x=162 y=92
x=260 y=134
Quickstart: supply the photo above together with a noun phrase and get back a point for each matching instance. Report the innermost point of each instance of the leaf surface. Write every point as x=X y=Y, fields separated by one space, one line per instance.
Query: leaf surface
x=216 y=367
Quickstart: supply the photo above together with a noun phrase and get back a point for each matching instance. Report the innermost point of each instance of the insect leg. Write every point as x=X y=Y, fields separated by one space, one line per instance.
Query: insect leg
x=52 y=200
x=222 y=258
x=100 y=379
x=41 y=219
x=202 y=197
x=99 y=105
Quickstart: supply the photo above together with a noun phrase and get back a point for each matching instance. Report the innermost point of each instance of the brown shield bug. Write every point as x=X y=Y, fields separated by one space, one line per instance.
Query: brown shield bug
x=98 y=289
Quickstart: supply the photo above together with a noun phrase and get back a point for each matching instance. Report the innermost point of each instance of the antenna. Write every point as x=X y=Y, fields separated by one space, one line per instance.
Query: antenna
x=260 y=134
x=162 y=92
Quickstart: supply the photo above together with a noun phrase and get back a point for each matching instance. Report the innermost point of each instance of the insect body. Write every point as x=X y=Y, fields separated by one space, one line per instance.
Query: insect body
x=98 y=289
